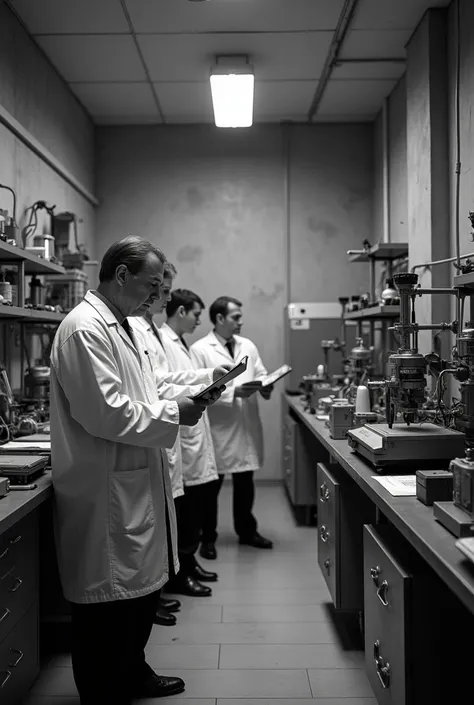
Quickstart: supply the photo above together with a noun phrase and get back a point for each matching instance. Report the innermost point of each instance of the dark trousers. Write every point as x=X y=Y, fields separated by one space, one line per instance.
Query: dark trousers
x=108 y=643
x=243 y=496
x=189 y=516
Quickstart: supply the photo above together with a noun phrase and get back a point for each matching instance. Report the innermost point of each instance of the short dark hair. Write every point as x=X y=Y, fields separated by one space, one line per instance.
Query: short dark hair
x=182 y=297
x=220 y=305
x=132 y=251
x=169 y=270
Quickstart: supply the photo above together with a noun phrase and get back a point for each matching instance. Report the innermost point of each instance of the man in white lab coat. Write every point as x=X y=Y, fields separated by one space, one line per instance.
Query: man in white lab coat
x=174 y=382
x=116 y=525
x=198 y=460
x=235 y=422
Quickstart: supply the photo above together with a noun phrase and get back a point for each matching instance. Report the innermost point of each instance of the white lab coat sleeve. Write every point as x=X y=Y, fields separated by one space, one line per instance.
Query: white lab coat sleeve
x=176 y=391
x=88 y=374
x=199 y=359
x=189 y=377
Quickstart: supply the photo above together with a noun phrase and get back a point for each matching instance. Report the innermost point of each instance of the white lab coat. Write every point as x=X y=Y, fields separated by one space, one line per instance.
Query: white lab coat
x=197 y=450
x=171 y=384
x=110 y=476
x=235 y=423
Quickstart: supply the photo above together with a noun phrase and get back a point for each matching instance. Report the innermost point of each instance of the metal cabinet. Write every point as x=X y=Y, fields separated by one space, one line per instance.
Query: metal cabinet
x=342 y=511
x=406 y=645
x=19 y=587
x=19 y=658
x=301 y=452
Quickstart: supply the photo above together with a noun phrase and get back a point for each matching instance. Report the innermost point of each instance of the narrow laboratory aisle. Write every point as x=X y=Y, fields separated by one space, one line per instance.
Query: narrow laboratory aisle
x=265 y=637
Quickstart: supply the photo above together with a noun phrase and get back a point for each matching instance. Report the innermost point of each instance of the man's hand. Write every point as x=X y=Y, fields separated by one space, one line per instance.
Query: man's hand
x=190 y=411
x=244 y=391
x=266 y=392
x=211 y=397
x=219 y=371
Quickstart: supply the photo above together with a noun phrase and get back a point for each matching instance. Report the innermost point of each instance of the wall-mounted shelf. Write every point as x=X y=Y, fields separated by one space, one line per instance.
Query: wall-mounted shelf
x=29 y=315
x=382 y=251
x=32 y=264
x=466 y=280
x=373 y=314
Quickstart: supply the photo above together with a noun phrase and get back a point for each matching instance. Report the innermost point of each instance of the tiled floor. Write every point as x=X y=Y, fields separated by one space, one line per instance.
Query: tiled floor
x=267 y=636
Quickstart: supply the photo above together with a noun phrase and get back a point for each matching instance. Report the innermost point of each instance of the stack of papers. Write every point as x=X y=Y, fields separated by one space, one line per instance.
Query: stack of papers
x=398 y=485
x=26 y=446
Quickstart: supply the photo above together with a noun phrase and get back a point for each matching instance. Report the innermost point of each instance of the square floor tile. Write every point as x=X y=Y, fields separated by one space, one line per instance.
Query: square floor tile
x=288 y=596
x=173 y=656
x=55 y=681
x=242 y=684
x=199 y=612
x=287 y=656
x=50 y=700
x=297 y=701
x=269 y=633
x=275 y=613
x=339 y=683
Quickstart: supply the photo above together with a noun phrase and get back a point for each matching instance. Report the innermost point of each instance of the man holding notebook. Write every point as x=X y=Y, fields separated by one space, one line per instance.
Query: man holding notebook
x=235 y=422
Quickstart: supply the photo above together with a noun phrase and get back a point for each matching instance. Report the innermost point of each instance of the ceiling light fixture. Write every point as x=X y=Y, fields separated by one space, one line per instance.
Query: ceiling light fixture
x=232 y=90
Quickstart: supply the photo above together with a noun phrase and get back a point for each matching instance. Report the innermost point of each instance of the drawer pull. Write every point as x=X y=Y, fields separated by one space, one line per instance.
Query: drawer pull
x=17 y=539
x=324 y=534
x=375 y=574
x=4 y=554
x=19 y=658
x=18 y=583
x=383 y=667
x=324 y=493
x=8 y=675
x=382 y=593
x=327 y=565
x=5 y=614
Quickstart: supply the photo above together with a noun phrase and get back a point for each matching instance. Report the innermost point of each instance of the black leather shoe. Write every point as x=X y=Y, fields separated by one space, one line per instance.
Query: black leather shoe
x=208 y=550
x=189 y=586
x=156 y=686
x=170 y=605
x=205 y=575
x=256 y=541
x=163 y=617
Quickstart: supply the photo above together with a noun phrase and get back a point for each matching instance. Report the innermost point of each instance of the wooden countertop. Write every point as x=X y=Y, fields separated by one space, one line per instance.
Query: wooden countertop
x=413 y=519
x=18 y=503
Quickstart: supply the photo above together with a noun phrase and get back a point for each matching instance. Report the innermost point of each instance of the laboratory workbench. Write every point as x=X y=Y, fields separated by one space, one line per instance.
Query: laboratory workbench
x=412 y=519
x=18 y=503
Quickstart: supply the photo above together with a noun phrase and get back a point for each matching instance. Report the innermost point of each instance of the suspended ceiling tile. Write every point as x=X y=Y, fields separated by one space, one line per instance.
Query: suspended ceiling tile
x=339 y=117
x=117 y=100
x=354 y=97
x=282 y=99
x=127 y=120
x=88 y=58
x=375 y=44
x=392 y=14
x=71 y=16
x=368 y=71
x=274 y=56
x=233 y=15
x=186 y=102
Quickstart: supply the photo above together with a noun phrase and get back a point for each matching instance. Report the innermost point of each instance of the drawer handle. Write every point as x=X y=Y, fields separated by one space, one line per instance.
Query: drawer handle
x=8 y=675
x=5 y=614
x=382 y=593
x=324 y=534
x=18 y=582
x=17 y=539
x=383 y=667
x=4 y=554
x=375 y=574
x=20 y=657
x=324 y=493
x=327 y=565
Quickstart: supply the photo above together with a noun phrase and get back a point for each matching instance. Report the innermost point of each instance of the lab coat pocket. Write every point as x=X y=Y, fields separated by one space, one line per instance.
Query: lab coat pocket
x=131 y=507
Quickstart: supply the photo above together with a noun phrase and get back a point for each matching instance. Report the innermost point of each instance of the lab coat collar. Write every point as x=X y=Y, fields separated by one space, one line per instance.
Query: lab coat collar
x=169 y=332
x=98 y=302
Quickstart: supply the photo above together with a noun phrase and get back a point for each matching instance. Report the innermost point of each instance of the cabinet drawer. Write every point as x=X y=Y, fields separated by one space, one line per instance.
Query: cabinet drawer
x=387 y=600
x=328 y=532
x=18 y=573
x=343 y=509
x=19 y=658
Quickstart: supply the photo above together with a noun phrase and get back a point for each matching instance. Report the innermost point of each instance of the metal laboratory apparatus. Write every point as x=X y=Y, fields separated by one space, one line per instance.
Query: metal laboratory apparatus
x=408 y=436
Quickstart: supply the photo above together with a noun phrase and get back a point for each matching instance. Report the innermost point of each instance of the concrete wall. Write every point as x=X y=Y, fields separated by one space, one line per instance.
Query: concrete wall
x=398 y=183
x=215 y=202
x=33 y=93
